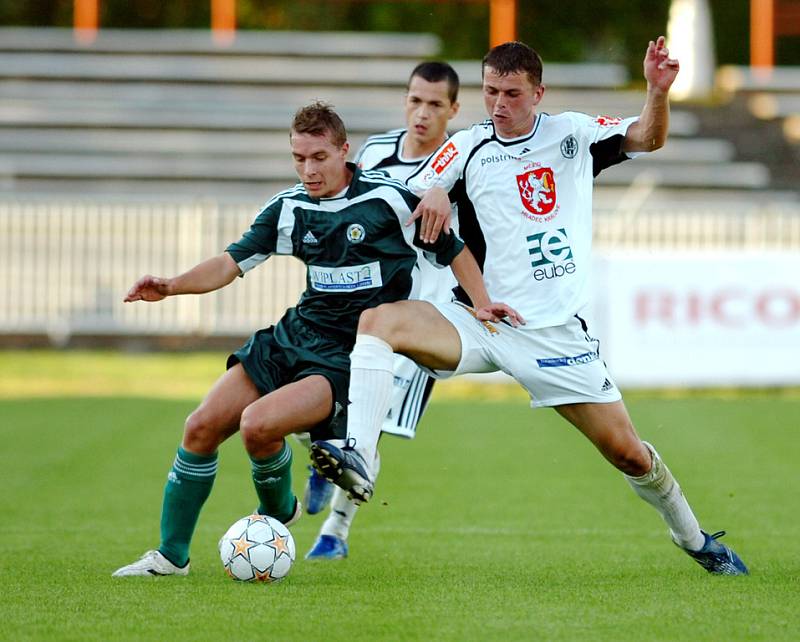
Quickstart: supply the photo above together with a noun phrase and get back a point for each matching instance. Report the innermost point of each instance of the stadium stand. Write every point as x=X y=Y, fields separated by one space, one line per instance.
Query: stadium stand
x=771 y=94
x=168 y=112
x=155 y=148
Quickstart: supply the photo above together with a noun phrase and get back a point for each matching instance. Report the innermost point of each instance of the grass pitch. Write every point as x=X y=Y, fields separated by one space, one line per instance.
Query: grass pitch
x=496 y=523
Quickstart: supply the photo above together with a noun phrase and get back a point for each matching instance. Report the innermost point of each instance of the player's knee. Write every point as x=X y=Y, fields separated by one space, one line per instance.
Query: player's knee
x=632 y=459
x=200 y=434
x=381 y=321
x=255 y=430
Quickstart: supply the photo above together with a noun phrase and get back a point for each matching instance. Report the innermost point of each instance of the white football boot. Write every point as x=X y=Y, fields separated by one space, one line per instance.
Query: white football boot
x=152 y=563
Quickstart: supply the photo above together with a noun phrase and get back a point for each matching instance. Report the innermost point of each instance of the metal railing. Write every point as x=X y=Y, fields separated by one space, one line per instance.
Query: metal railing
x=66 y=266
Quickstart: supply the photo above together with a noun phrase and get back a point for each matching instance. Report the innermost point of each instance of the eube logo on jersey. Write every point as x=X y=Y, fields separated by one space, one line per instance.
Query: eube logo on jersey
x=551 y=254
x=345 y=279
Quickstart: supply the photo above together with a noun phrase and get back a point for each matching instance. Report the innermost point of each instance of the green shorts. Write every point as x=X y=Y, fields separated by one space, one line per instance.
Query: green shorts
x=292 y=350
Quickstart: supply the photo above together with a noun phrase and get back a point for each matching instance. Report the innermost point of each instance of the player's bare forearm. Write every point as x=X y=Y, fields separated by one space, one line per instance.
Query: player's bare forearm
x=650 y=131
x=469 y=277
x=660 y=71
x=468 y=274
x=212 y=274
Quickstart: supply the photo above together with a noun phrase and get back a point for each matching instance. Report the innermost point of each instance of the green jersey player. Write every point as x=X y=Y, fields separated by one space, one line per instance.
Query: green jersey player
x=347 y=226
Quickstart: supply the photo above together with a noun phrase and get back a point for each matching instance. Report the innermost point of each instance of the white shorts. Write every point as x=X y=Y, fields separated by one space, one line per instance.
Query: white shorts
x=412 y=388
x=556 y=365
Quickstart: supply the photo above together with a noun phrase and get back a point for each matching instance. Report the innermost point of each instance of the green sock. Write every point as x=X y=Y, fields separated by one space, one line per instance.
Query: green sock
x=273 y=481
x=188 y=486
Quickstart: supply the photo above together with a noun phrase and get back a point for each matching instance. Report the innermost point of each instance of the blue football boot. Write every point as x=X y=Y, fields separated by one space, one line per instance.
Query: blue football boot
x=318 y=492
x=717 y=558
x=328 y=547
x=344 y=467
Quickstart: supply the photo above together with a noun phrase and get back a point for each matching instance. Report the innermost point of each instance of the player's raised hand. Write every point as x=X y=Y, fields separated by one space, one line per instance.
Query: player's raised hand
x=498 y=311
x=148 y=288
x=434 y=208
x=659 y=69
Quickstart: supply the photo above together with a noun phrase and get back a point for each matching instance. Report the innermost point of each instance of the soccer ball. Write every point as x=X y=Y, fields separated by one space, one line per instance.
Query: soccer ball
x=257 y=548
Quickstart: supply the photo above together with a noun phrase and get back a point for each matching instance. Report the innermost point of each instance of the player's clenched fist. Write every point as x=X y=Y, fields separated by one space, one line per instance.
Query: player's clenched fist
x=148 y=288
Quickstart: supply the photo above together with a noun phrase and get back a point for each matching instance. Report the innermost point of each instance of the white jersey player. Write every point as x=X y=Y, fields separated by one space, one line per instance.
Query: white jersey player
x=430 y=103
x=528 y=178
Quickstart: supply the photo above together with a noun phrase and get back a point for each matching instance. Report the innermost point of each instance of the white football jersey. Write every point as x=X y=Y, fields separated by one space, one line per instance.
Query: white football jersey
x=525 y=206
x=385 y=152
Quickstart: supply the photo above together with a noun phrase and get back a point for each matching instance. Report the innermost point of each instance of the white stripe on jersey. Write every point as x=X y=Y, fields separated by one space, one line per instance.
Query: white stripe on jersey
x=286 y=221
x=299 y=188
x=252 y=261
x=378 y=176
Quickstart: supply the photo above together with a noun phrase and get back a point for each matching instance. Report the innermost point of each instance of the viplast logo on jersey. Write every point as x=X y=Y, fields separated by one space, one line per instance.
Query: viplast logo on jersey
x=551 y=255
x=345 y=279
x=537 y=190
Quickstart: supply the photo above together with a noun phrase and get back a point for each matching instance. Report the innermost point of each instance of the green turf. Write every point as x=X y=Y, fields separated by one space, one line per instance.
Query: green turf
x=496 y=523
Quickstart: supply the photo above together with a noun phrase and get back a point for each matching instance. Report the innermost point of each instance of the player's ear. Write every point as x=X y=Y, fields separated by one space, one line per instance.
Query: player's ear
x=539 y=92
x=345 y=148
x=454 y=107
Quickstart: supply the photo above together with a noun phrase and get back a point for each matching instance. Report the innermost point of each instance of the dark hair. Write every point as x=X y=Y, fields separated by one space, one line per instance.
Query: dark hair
x=319 y=119
x=436 y=71
x=512 y=57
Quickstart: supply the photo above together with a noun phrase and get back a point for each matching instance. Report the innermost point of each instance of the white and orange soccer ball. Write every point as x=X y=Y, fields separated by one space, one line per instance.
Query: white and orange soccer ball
x=257 y=548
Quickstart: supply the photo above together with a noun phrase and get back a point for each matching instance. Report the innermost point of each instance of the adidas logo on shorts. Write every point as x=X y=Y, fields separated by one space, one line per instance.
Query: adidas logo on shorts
x=607 y=385
x=310 y=239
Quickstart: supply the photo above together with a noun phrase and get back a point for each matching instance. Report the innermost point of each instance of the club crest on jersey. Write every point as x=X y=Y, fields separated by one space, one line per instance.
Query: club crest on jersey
x=569 y=147
x=356 y=233
x=537 y=190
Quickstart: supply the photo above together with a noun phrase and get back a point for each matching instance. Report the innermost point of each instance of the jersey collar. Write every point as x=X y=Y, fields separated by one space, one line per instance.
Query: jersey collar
x=519 y=139
x=411 y=161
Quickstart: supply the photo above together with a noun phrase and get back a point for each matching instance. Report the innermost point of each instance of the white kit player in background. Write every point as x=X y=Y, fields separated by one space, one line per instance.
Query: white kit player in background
x=431 y=101
x=523 y=182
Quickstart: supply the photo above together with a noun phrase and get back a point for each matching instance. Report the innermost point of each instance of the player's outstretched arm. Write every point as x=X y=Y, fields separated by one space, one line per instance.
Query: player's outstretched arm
x=207 y=276
x=469 y=277
x=434 y=208
x=660 y=71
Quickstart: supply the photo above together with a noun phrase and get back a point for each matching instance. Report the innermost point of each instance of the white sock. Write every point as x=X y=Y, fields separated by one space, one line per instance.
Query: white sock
x=344 y=510
x=371 y=385
x=659 y=489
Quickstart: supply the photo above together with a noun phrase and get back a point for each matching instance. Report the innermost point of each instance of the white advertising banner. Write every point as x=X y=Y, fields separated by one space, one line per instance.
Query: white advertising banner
x=701 y=318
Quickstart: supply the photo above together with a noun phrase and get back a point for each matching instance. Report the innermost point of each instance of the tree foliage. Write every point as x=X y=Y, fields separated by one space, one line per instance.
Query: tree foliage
x=564 y=31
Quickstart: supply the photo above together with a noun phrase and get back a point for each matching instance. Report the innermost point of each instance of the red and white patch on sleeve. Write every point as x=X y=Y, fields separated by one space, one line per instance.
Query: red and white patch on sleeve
x=607 y=121
x=444 y=158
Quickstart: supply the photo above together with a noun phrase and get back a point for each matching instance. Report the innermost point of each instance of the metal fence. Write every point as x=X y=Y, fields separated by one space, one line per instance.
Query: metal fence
x=66 y=266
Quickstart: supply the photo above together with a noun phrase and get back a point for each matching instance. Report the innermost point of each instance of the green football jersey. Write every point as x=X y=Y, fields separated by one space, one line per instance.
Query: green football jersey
x=357 y=250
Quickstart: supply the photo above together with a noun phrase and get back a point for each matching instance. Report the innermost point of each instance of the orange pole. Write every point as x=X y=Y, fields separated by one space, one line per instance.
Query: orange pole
x=223 y=21
x=762 y=33
x=85 y=20
x=502 y=21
